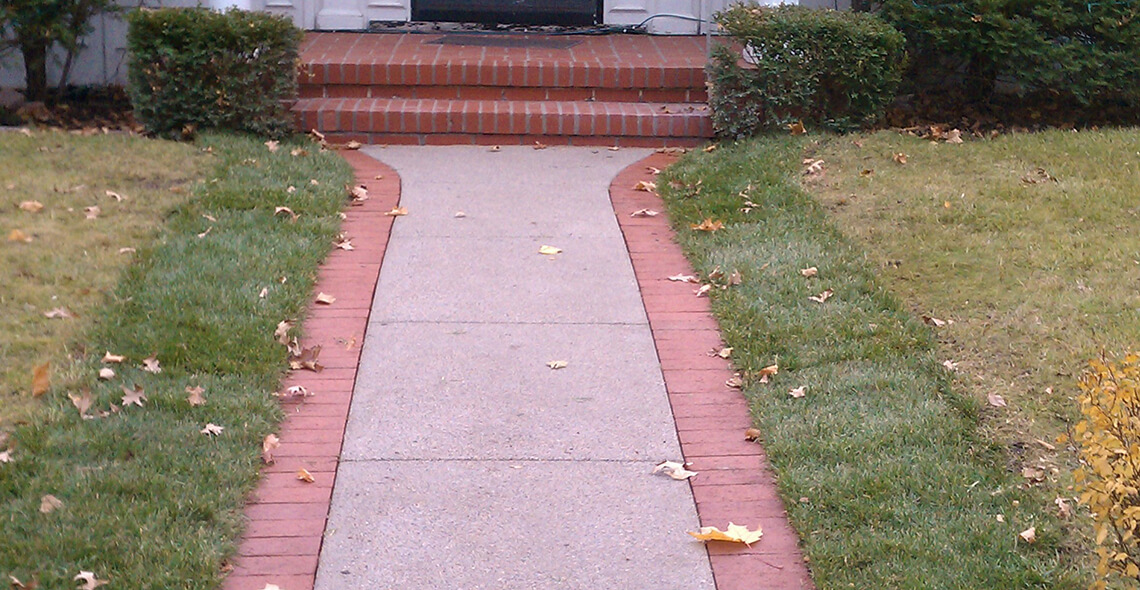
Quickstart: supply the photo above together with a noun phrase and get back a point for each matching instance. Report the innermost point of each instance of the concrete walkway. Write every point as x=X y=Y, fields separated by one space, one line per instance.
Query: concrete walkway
x=467 y=461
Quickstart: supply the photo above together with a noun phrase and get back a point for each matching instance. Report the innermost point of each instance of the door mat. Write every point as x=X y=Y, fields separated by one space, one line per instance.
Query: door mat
x=520 y=41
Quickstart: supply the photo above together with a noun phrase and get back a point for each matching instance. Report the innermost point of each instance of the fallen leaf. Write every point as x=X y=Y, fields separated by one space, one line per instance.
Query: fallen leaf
x=710 y=149
x=1036 y=176
x=6 y=456
x=90 y=582
x=325 y=299
x=613 y=148
x=684 y=278
x=194 y=396
x=134 y=396
x=306 y=358
x=31 y=206
x=954 y=136
x=702 y=291
x=116 y=196
x=343 y=243
x=549 y=250
x=735 y=278
x=305 y=476
x=127 y=250
x=272 y=145
x=292 y=216
x=824 y=296
x=41 y=379
x=494 y=148
x=645 y=185
x=1064 y=510
x=557 y=364
x=753 y=434
x=18 y=585
x=298 y=152
x=151 y=365
x=644 y=213
x=950 y=365
x=49 y=504
x=539 y=146
x=59 y=313
x=798 y=392
x=933 y=321
x=81 y=402
x=1000 y=518
x=459 y=215
x=996 y=400
x=358 y=194
x=768 y=372
x=1046 y=445
x=1029 y=535
x=652 y=170
x=91 y=212
x=112 y=358
x=1033 y=474
x=314 y=182
x=396 y=212
x=734 y=382
x=797 y=128
x=206 y=233
x=268 y=445
x=212 y=429
x=733 y=534
x=18 y=236
x=106 y=374
x=708 y=225
x=281 y=334
x=724 y=353
x=293 y=391
x=866 y=172
x=263 y=293
x=674 y=469
x=809 y=272
x=899 y=158
x=813 y=166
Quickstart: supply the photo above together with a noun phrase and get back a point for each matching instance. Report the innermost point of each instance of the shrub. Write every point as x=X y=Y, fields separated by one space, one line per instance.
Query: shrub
x=1109 y=438
x=192 y=68
x=1061 y=50
x=38 y=25
x=835 y=69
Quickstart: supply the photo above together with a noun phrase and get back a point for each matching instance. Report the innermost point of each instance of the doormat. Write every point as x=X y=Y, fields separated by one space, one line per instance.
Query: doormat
x=521 y=41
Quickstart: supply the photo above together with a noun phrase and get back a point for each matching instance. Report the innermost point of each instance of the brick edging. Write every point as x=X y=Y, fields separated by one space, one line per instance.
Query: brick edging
x=286 y=516
x=735 y=482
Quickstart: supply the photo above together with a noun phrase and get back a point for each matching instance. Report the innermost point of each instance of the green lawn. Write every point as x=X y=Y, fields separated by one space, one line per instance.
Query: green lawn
x=883 y=465
x=149 y=501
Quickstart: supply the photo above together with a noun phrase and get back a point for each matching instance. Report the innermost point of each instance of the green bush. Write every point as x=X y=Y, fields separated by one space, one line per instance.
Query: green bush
x=833 y=69
x=192 y=68
x=1065 y=51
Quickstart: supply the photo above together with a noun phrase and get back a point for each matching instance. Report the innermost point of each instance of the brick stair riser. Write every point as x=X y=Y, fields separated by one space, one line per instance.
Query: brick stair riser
x=499 y=118
x=606 y=141
x=562 y=75
x=665 y=95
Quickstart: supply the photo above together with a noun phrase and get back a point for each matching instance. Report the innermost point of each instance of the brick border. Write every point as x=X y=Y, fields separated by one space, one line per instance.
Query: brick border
x=735 y=482
x=285 y=516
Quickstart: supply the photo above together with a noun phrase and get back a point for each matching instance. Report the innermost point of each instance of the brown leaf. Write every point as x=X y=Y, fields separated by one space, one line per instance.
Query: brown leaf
x=797 y=128
x=1029 y=535
x=950 y=365
x=273 y=145
x=396 y=212
x=194 y=396
x=734 y=382
x=809 y=272
x=134 y=397
x=281 y=334
x=1033 y=474
x=206 y=233
x=645 y=185
x=709 y=149
x=539 y=146
x=306 y=359
x=151 y=365
x=106 y=374
x=298 y=152
x=325 y=299
x=683 y=278
x=6 y=456
x=813 y=166
x=753 y=434
x=116 y=196
x=292 y=216
x=60 y=313
x=702 y=291
x=735 y=278
x=268 y=445
x=494 y=148
x=675 y=470
x=1064 y=510
x=708 y=225
x=31 y=206
x=81 y=402
x=866 y=172
x=305 y=476
x=41 y=379
x=358 y=193
x=933 y=321
x=724 y=353
x=343 y=243
x=49 y=504
x=996 y=400
x=824 y=296
x=768 y=372
x=954 y=136
x=294 y=391
x=644 y=213
x=557 y=364
x=18 y=236
x=91 y=212
x=90 y=582
x=212 y=429
x=899 y=158
x=652 y=170
x=798 y=392
x=18 y=585
x=112 y=358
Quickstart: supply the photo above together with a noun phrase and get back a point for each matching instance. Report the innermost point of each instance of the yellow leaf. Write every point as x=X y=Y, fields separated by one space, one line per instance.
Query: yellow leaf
x=305 y=476
x=708 y=225
x=733 y=534
x=41 y=379
x=549 y=250
x=797 y=128
x=397 y=212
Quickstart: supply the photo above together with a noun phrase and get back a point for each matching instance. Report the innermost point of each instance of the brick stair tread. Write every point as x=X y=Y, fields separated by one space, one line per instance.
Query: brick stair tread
x=562 y=118
x=565 y=74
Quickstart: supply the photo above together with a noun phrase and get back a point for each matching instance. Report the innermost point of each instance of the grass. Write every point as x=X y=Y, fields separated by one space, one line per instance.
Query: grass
x=148 y=500
x=882 y=466
x=71 y=261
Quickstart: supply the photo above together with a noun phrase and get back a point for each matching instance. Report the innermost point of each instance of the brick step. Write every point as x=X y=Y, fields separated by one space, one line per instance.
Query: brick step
x=366 y=117
x=531 y=74
x=521 y=93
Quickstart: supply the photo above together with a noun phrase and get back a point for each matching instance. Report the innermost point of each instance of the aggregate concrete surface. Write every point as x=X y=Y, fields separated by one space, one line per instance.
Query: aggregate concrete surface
x=468 y=463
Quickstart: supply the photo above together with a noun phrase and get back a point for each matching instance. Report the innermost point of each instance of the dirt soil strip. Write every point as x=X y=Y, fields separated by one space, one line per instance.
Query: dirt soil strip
x=735 y=482
x=286 y=516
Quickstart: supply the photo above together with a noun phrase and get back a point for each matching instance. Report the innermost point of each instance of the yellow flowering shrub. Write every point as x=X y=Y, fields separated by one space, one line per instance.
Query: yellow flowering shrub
x=1109 y=476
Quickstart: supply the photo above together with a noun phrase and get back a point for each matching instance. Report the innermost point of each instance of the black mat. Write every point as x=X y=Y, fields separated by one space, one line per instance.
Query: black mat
x=505 y=41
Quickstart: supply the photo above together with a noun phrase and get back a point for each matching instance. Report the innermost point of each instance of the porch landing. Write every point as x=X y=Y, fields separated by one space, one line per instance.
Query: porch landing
x=407 y=88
